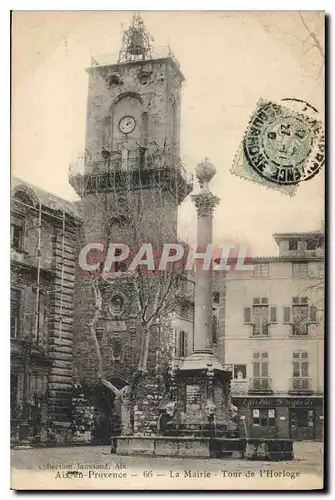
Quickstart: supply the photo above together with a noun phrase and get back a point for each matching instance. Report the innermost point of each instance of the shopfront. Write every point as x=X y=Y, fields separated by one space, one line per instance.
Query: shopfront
x=272 y=417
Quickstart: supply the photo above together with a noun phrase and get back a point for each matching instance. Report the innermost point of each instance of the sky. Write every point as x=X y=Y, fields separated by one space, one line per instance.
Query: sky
x=229 y=60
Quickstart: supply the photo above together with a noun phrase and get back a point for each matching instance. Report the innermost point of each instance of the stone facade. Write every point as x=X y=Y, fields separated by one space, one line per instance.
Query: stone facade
x=130 y=185
x=274 y=338
x=43 y=235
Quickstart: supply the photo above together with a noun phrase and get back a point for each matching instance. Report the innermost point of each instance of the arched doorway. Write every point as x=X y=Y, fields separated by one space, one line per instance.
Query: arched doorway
x=107 y=410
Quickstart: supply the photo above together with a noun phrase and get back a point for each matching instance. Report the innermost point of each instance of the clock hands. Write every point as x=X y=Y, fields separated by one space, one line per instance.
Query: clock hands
x=127 y=124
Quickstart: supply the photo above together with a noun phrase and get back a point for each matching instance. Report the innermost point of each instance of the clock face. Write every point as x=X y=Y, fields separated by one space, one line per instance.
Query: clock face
x=127 y=124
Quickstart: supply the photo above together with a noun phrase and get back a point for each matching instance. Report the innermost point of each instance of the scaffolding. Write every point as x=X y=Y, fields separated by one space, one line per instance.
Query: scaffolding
x=37 y=284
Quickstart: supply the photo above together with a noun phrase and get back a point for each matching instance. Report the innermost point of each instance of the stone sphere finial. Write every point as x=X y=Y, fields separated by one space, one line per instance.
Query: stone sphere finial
x=205 y=171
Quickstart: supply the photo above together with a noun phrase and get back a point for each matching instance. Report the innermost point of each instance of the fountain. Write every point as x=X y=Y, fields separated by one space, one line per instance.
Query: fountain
x=198 y=420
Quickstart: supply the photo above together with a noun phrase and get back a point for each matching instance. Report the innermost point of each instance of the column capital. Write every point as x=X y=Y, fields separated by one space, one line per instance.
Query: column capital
x=205 y=202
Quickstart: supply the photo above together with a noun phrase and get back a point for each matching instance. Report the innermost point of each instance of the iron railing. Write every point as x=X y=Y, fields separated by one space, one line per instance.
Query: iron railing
x=300 y=385
x=260 y=329
x=298 y=329
x=260 y=384
x=107 y=163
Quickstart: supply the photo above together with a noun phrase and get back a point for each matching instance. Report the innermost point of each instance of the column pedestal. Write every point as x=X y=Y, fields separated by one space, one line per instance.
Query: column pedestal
x=203 y=383
x=203 y=394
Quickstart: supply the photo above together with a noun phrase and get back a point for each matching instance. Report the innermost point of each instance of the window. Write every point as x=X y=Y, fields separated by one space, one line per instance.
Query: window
x=15 y=297
x=215 y=330
x=261 y=269
x=311 y=244
x=144 y=78
x=300 y=269
x=114 y=81
x=293 y=245
x=216 y=297
x=260 y=322
x=260 y=300
x=16 y=233
x=265 y=417
x=260 y=379
x=239 y=372
x=260 y=315
x=301 y=417
x=300 y=364
x=183 y=344
x=300 y=380
x=300 y=314
x=42 y=335
x=300 y=319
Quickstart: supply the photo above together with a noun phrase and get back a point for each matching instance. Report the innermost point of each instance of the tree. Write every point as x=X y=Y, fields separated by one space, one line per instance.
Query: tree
x=133 y=212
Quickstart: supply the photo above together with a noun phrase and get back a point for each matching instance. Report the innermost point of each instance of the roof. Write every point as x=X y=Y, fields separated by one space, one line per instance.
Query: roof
x=301 y=235
x=45 y=198
x=153 y=60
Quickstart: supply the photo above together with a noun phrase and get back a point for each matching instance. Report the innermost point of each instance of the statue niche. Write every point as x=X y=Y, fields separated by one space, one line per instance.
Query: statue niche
x=116 y=305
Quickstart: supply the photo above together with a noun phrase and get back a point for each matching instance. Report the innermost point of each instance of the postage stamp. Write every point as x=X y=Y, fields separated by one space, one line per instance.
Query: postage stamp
x=281 y=147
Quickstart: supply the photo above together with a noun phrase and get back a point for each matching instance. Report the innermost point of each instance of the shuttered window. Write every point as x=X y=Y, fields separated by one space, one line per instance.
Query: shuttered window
x=273 y=314
x=16 y=233
x=247 y=315
x=183 y=344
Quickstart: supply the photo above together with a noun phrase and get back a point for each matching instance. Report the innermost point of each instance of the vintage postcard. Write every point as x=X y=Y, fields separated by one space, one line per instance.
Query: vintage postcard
x=167 y=250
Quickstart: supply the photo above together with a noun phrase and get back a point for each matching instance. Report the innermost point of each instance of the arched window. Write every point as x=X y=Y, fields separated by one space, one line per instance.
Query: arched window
x=25 y=195
x=114 y=81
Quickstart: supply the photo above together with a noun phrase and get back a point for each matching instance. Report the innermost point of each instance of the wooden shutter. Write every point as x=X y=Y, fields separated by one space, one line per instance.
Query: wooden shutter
x=256 y=369
x=265 y=369
x=185 y=344
x=247 y=315
x=304 y=369
x=296 y=369
x=273 y=314
x=312 y=314
x=287 y=314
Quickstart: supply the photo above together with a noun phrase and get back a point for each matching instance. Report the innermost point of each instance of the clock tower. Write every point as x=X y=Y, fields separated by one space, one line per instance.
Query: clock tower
x=130 y=181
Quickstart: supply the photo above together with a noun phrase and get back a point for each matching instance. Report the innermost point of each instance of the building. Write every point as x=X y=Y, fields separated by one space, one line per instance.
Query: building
x=274 y=337
x=72 y=328
x=130 y=182
x=43 y=236
x=74 y=332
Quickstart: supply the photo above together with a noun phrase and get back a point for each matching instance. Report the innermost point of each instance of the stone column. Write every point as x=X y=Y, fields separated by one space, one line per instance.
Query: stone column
x=205 y=203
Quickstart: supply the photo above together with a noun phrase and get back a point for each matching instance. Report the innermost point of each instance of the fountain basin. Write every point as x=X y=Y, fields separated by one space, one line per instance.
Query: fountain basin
x=204 y=447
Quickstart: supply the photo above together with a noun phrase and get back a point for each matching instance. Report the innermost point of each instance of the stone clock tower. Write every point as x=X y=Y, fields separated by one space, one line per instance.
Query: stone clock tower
x=130 y=186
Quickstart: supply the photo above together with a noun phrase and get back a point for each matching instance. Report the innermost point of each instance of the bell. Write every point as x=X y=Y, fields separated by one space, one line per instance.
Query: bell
x=136 y=46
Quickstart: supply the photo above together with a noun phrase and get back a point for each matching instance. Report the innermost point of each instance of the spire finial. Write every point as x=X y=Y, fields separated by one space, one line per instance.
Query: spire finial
x=136 y=44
